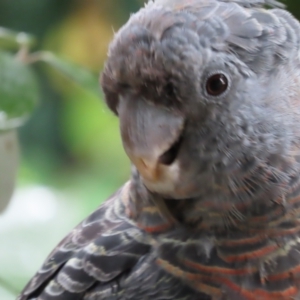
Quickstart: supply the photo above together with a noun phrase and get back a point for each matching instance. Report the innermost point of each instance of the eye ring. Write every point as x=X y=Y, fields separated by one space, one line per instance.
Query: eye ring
x=216 y=84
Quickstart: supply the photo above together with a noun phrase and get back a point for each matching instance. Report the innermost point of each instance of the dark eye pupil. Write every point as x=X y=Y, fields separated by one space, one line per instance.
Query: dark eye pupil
x=216 y=84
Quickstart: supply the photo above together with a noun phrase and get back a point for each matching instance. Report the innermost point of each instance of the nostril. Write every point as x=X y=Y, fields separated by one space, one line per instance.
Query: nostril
x=170 y=155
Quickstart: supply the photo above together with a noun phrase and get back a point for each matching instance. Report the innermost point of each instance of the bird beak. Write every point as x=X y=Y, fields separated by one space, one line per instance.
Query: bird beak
x=147 y=168
x=148 y=131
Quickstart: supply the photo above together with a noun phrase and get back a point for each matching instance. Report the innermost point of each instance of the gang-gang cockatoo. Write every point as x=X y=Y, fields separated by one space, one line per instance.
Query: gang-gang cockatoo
x=207 y=93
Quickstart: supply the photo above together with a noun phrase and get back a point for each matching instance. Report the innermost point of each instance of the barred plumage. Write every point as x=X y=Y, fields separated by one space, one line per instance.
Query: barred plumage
x=212 y=210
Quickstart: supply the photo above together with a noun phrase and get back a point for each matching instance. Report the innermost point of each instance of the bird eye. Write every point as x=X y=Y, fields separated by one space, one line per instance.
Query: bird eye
x=216 y=84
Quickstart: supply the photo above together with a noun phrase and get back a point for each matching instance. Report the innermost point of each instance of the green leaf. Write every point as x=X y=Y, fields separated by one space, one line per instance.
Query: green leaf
x=10 y=39
x=18 y=91
x=73 y=72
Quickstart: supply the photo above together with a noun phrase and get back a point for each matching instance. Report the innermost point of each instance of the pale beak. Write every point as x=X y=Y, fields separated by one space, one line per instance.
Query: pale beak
x=148 y=169
x=148 y=133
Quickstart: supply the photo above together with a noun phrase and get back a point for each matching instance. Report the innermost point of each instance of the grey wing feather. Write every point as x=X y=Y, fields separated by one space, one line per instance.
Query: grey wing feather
x=98 y=250
x=106 y=257
x=146 y=281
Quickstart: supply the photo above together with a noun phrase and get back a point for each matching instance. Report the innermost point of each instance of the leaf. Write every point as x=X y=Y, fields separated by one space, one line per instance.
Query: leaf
x=10 y=39
x=73 y=72
x=18 y=91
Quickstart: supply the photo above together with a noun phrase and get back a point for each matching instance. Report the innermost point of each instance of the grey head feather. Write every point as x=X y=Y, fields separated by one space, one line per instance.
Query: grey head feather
x=182 y=41
x=244 y=3
x=257 y=3
x=261 y=38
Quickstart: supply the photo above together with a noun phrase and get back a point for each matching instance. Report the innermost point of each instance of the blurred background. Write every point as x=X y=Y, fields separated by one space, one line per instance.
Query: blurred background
x=71 y=152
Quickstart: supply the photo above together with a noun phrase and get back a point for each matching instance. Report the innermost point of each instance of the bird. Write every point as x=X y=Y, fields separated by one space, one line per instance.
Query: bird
x=207 y=96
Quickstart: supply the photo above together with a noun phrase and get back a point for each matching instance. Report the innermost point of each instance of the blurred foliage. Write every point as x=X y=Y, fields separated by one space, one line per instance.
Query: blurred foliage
x=10 y=39
x=71 y=142
x=53 y=51
x=18 y=91
x=72 y=129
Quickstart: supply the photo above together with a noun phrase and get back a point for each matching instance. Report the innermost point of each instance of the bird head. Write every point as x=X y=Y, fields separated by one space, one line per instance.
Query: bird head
x=206 y=92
